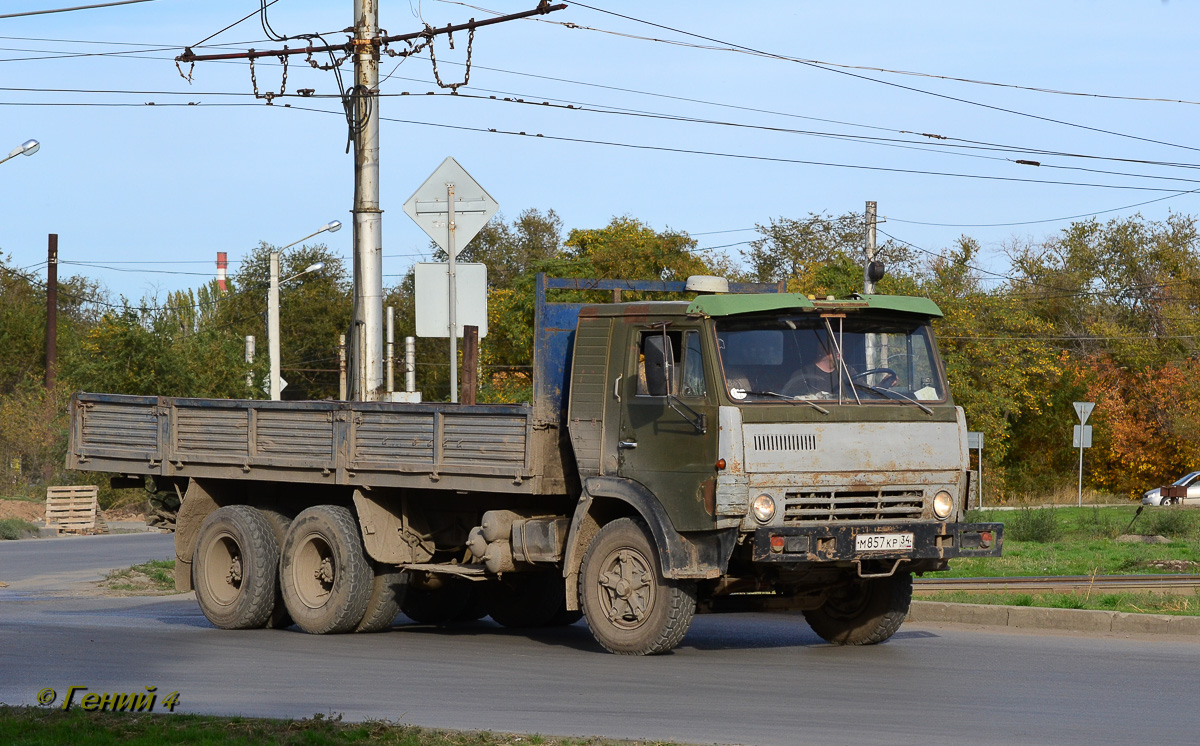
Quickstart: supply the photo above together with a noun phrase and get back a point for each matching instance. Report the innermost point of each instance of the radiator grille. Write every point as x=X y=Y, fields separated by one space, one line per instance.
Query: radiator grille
x=859 y=505
x=788 y=442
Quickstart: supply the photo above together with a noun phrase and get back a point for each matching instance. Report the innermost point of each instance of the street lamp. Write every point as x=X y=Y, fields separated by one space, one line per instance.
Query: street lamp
x=29 y=147
x=273 y=304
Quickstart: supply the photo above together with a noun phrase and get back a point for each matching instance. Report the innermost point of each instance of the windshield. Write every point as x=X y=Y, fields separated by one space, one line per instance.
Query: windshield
x=807 y=357
x=1184 y=481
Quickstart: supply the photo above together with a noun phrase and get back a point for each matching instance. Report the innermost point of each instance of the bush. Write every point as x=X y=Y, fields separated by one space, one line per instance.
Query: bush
x=1099 y=525
x=15 y=528
x=1039 y=525
x=1171 y=522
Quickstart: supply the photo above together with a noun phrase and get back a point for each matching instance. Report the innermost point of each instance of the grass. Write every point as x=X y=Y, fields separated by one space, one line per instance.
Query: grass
x=1148 y=603
x=1081 y=541
x=149 y=578
x=15 y=528
x=36 y=726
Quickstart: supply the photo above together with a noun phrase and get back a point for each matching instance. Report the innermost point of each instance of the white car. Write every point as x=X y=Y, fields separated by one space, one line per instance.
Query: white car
x=1186 y=489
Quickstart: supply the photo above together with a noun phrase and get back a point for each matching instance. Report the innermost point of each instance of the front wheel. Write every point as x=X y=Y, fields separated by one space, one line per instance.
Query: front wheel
x=630 y=607
x=863 y=613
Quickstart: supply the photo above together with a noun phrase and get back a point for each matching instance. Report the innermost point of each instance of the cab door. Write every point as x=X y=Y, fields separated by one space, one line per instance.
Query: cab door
x=669 y=443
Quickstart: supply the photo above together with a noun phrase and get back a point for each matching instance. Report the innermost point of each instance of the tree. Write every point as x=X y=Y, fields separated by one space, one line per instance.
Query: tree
x=510 y=251
x=314 y=311
x=824 y=255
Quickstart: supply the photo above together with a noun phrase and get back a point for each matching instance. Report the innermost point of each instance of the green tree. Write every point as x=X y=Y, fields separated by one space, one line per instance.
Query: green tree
x=823 y=255
x=314 y=311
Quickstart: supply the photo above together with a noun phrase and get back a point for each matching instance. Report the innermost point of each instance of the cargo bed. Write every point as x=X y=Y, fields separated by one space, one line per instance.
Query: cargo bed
x=492 y=448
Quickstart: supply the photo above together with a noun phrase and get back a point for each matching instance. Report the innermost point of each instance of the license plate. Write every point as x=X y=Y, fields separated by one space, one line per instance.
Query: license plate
x=882 y=542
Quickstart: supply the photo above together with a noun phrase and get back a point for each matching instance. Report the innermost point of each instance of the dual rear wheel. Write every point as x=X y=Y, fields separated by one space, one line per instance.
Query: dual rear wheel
x=256 y=568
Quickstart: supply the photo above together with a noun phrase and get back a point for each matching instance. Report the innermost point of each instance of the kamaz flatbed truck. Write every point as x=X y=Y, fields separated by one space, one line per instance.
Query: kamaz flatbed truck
x=741 y=450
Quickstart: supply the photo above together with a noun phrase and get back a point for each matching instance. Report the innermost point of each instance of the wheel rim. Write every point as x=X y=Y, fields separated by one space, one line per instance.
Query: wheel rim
x=626 y=588
x=223 y=570
x=313 y=571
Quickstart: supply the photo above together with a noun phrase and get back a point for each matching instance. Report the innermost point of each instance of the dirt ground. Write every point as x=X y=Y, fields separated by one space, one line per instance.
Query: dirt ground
x=23 y=509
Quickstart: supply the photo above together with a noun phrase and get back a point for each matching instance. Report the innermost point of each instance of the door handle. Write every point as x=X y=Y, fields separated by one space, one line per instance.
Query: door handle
x=627 y=444
x=617 y=388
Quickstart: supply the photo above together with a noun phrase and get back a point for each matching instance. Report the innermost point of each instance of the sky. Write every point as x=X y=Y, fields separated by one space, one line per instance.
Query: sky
x=791 y=108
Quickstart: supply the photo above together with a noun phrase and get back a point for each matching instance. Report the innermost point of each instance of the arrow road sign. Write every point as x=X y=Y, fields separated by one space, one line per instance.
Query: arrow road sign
x=473 y=206
x=1083 y=409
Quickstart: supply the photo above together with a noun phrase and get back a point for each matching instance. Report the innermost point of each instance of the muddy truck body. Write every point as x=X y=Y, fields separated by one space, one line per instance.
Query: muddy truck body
x=743 y=450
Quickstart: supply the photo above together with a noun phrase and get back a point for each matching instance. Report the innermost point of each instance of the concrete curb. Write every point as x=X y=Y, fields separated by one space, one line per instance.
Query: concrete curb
x=1068 y=620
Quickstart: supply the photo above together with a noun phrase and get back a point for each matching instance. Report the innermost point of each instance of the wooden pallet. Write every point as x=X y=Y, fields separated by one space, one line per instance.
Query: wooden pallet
x=72 y=508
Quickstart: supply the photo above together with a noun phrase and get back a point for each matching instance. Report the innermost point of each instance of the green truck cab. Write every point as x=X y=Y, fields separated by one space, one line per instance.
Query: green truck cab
x=810 y=448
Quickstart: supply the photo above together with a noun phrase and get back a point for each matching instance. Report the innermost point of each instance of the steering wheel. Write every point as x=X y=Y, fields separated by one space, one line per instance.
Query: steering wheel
x=886 y=382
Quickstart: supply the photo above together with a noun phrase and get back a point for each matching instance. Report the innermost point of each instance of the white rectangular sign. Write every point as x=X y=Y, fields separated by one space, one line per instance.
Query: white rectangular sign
x=1084 y=433
x=433 y=298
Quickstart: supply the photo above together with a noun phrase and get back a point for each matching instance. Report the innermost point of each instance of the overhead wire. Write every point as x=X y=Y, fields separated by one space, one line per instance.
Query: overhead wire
x=77 y=7
x=820 y=66
x=743 y=156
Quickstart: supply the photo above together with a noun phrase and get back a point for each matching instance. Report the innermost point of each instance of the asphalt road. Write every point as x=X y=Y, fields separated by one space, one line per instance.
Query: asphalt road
x=742 y=678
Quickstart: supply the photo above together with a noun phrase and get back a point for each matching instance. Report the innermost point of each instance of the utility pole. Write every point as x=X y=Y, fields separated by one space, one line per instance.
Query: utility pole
x=51 y=311
x=868 y=282
x=368 y=218
x=273 y=385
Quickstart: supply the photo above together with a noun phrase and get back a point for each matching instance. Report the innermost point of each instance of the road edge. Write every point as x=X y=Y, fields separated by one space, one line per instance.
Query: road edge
x=1067 y=620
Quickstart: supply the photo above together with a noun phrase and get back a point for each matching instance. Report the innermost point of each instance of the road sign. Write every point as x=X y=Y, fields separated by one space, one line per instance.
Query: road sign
x=432 y=283
x=452 y=208
x=1082 y=437
x=974 y=441
x=1083 y=409
x=473 y=206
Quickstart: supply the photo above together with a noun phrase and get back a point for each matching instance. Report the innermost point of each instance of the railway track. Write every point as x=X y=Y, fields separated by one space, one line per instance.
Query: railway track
x=1174 y=584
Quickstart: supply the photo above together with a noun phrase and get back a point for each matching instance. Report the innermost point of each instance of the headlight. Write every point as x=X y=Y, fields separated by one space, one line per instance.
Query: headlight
x=763 y=508
x=943 y=504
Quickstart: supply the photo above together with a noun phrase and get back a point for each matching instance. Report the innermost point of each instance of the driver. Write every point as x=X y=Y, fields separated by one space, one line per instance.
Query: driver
x=816 y=374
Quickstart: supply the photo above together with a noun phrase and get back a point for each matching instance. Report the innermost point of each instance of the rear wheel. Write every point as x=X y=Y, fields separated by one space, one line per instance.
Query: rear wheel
x=233 y=568
x=383 y=606
x=280 y=619
x=324 y=574
x=630 y=607
x=863 y=613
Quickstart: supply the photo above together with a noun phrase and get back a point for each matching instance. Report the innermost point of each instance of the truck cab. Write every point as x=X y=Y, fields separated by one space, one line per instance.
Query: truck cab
x=810 y=447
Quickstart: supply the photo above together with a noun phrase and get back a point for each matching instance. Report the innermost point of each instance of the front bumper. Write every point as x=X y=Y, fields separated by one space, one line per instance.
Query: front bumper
x=825 y=543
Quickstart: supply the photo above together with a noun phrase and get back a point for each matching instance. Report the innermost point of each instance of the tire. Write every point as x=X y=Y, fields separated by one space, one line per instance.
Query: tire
x=233 y=568
x=450 y=603
x=863 y=613
x=523 y=601
x=629 y=606
x=383 y=605
x=324 y=574
x=280 y=618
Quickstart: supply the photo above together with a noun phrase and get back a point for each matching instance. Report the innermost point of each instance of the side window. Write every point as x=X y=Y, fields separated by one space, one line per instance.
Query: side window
x=652 y=362
x=692 y=380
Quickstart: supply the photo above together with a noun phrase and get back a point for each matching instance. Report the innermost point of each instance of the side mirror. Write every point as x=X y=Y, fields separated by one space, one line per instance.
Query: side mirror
x=658 y=353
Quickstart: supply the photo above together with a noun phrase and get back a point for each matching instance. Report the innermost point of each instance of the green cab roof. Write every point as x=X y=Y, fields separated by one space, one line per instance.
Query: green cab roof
x=735 y=304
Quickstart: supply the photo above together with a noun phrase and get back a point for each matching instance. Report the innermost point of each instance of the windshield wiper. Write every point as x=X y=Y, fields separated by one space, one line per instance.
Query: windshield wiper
x=785 y=397
x=894 y=396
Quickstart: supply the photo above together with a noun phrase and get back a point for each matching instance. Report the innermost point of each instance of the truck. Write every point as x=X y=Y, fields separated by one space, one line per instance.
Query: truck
x=741 y=449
